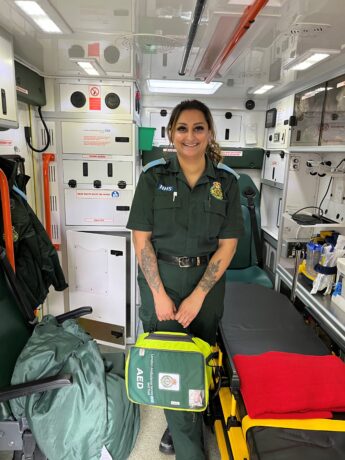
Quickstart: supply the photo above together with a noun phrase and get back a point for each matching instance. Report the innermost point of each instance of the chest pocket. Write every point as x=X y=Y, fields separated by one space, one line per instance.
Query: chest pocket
x=215 y=212
x=164 y=208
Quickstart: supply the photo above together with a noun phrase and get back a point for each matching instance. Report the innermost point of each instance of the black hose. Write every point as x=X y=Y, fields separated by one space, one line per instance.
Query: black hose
x=28 y=136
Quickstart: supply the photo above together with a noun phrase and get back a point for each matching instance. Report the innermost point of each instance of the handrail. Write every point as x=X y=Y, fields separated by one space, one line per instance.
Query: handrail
x=6 y=216
x=247 y=18
x=47 y=158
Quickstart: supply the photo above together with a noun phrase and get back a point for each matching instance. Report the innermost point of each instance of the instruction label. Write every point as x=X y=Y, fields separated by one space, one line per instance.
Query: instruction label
x=232 y=153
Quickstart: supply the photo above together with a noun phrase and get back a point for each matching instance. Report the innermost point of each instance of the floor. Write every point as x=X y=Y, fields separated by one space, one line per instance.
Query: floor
x=151 y=429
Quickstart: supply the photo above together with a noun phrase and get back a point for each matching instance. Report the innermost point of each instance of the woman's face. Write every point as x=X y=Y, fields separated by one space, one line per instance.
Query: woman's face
x=191 y=135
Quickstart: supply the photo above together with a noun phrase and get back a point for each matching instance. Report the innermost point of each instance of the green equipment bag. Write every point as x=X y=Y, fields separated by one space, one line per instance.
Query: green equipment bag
x=169 y=370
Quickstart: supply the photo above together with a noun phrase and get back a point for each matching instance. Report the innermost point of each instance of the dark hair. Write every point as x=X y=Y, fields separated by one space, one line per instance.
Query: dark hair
x=214 y=151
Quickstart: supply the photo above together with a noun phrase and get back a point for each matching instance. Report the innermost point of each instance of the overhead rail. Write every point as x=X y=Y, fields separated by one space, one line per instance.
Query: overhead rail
x=199 y=7
x=244 y=24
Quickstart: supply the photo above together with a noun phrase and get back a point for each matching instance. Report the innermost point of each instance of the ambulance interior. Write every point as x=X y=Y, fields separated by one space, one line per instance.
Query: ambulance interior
x=87 y=88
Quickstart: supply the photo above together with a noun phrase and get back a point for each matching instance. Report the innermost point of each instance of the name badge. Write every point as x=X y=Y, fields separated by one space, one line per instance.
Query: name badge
x=166 y=188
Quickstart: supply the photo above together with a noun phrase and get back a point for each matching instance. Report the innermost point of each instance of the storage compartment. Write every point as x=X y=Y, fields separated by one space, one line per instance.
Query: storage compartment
x=8 y=99
x=159 y=120
x=97 y=138
x=228 y=129
x=97 y=98
x=246 y=158
x=271 y=208
x=97 y=277
x=274 y=167
x=116 y=173
x=97 y=207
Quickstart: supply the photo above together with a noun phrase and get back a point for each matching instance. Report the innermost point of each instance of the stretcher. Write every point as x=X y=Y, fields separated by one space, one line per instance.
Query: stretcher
x=258 y=320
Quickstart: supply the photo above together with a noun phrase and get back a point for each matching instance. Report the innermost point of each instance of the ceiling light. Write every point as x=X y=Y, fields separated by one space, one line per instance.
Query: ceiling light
x=315 y=91
x=44 y=15
x=308 y=59
x=90 y=66
x=261 y=89
x=183 y=86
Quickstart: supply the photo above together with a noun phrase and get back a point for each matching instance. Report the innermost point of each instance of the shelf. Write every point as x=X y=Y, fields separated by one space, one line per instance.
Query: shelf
x=317 y=149
x=273 y=232
x=330 y=225
x=327 y=313
x=271 y=183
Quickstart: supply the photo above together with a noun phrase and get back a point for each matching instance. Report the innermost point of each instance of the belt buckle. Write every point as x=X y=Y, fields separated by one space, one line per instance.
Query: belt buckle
x=183 y=262
x=198 y=261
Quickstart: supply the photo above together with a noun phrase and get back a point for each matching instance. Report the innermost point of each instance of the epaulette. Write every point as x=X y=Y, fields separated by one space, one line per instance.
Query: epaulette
x=229 y=170
x=160 y=161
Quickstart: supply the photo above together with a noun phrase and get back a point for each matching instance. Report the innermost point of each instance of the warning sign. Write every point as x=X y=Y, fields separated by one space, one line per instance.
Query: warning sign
x=95 y=103
x=94 y=91
x=93 y=50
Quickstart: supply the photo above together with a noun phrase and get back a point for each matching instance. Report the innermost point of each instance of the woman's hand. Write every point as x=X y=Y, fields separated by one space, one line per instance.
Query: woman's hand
x=189 y=309
x=165 y=307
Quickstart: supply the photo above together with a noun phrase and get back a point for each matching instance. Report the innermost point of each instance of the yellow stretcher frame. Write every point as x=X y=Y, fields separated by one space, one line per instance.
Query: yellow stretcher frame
x=237 y=431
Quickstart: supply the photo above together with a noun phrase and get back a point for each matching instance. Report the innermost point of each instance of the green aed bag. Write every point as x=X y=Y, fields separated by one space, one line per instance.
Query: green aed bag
x=169 y=370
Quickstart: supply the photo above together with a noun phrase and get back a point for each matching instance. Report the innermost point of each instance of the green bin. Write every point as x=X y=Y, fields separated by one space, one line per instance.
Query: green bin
x=146 y=138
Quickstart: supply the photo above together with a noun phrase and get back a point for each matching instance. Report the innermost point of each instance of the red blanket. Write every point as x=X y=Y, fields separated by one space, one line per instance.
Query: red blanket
x=289 y=385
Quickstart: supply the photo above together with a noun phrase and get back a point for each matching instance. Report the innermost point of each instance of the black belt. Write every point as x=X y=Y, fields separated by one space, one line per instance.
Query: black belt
x=183 y=261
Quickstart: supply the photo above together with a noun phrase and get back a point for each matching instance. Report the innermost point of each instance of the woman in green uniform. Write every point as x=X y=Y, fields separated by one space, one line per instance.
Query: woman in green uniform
x=186 y=219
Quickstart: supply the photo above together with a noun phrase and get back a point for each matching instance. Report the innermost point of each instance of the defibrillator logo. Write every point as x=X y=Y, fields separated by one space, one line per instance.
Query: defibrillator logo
x=140 y=379
x=169 y=381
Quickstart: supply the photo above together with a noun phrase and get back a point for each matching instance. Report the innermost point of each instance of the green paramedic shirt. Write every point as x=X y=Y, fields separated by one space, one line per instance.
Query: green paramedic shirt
x=185 y=221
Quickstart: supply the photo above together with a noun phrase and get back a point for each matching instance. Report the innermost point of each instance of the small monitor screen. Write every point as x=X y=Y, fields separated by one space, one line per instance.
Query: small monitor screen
x=270 y=121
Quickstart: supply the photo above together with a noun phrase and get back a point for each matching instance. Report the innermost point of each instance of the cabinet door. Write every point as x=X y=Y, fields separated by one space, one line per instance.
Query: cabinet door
x=228 y=130
x=160 y=122
x=274 y=167
x=97 y=278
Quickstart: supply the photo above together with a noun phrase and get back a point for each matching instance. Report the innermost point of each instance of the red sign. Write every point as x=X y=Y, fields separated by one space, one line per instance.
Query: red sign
x=93 y=50
x=95 y=103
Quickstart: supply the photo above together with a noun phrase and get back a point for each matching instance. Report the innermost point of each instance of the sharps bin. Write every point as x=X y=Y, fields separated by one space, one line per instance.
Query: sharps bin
x=146 y=138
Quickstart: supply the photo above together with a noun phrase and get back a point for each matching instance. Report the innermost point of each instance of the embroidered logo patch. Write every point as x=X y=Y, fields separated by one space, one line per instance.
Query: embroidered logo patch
x=166 y=188
x=216 y=190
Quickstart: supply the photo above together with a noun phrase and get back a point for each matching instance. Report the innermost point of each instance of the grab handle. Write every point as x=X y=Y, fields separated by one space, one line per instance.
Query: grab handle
x=47 y=158
x=6 y=216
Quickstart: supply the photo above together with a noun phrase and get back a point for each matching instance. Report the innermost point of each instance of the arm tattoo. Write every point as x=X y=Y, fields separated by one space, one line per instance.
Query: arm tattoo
x=149 y=266
x=210 y=276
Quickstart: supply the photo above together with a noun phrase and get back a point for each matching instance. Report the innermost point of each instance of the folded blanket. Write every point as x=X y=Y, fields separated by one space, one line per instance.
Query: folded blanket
x=290 y=385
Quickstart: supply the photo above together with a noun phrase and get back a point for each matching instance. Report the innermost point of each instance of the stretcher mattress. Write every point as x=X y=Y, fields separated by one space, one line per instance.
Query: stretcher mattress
x=257 y=320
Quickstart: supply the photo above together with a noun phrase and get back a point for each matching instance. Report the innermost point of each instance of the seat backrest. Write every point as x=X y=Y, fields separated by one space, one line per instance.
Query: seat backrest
x=14 y=332
x=246 y=253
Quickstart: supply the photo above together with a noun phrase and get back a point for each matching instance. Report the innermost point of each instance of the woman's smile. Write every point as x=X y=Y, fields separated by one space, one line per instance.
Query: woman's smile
x=191 y=135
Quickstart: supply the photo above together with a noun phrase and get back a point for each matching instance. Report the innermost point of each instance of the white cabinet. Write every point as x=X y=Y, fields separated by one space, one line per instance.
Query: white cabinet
x=8 y=97
x=274 y=166
x=97 y=278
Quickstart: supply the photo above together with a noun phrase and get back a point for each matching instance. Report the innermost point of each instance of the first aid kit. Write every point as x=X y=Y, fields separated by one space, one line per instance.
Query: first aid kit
x=170 y=370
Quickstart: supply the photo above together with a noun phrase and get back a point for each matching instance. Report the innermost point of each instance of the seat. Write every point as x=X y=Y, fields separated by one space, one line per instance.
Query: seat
x=44 y=410
x=245 y=267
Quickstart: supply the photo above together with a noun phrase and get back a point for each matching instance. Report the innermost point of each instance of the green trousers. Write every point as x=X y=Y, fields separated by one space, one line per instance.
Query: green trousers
x=185 y=427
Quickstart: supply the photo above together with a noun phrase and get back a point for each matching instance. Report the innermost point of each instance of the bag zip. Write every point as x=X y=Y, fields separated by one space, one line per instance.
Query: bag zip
x=171 y=338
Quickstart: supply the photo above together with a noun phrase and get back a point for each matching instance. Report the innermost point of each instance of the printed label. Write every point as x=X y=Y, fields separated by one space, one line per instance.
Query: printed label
x=175 y=403
x=232 y=153
x=168 y=381
x=91 y=194
x=196 y=398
